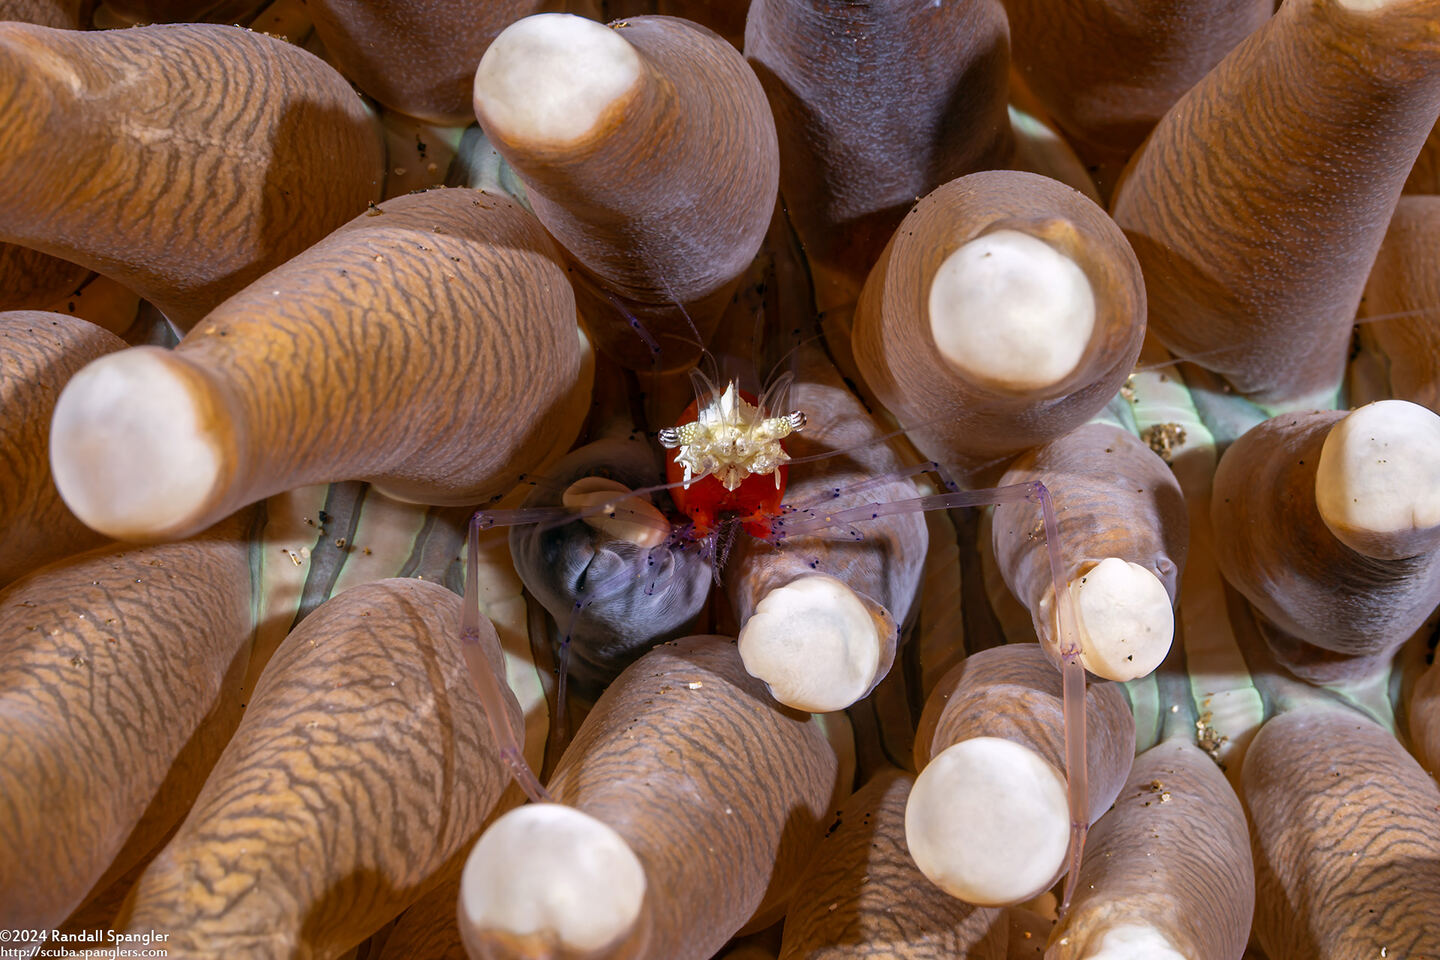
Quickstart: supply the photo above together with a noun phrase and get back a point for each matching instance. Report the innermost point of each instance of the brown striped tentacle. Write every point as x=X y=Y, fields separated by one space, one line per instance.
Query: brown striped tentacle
x=1108 y=70
x=807 y=586
x=1258 y=204
x=183 y=161
x=430 y=348
x=1167 y=871
x=851 y=166
x=1346 y=833
x=972 y=418
x=1400 y=314
x=39 y=352
x=1273 y=542
x=418 y=58
x=714 y=790
x=1124 y=528
x=31 y=280
x=863 y=897
x=987 y=820
x=110 y=662
x=661 y=193
x=363 y=764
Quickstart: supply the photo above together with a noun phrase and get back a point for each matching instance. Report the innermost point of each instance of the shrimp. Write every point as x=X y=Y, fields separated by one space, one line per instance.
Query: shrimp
x=725 y=451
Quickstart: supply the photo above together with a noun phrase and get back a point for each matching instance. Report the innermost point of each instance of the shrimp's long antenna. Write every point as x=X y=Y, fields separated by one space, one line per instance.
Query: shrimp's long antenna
x=788 y=354
x=904 y=473
x=1015 y=493
x=699 y=340
x=506 y=738
x=1418 y=312
x=645 y=336
x=901 y=431
x=1199 y=357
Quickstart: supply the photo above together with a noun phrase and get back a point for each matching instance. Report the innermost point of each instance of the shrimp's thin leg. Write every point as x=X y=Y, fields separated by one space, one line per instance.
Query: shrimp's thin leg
x=548 y=518
x=507 y=739
x=816 y=504
x=1073 y=680
x=699 y=340
x=562 y=670
x=808 y=521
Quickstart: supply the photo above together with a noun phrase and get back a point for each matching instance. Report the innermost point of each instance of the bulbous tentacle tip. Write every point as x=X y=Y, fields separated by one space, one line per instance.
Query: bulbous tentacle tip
x=1016 y=823
x=548 y=874
x=1128 y=942
x=1012 y=312
x=817 y=644
x=1125 y=619
x=1375 y=484
x=552 y=78
x=630 y=518
x=138 y=447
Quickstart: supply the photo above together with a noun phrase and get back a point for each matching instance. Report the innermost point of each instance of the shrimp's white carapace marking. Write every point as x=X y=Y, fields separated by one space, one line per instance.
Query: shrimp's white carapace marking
x=731 y=439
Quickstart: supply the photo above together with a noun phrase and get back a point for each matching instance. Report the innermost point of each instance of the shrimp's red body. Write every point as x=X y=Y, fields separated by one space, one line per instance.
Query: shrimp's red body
x=740 y=459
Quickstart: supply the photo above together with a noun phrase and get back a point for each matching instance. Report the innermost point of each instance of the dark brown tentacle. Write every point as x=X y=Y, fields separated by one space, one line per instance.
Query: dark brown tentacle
x=851 y=167
x=1255 y=254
